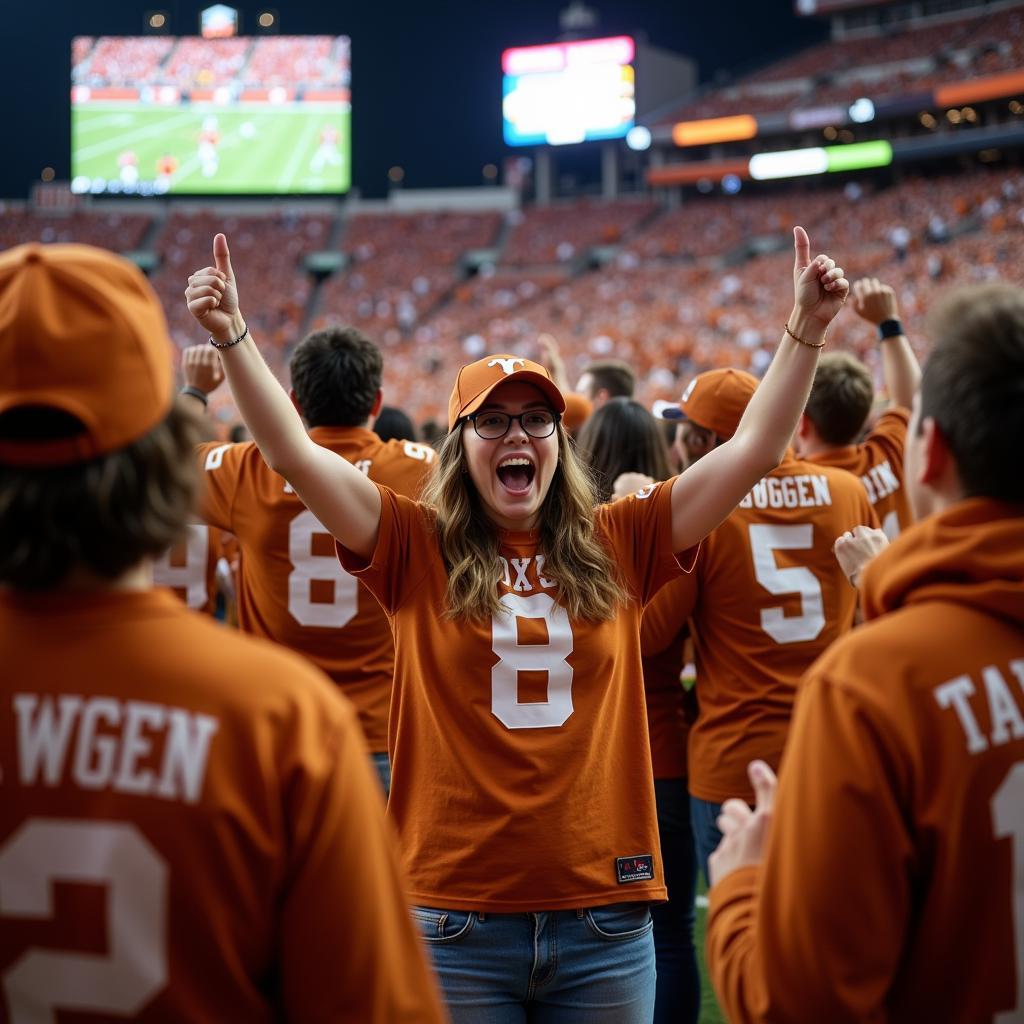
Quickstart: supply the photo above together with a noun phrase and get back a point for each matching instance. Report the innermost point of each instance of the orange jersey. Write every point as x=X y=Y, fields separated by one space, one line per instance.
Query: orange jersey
x=878 y=461
x=766 y=598
x=668 y=719
x=190 y=568
x=893 y=885
x=291 y=587
x=521 y=776
x=189 y=827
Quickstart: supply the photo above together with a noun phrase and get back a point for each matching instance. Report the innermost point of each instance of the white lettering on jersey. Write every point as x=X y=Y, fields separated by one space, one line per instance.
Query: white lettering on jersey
x=880 y=481
x=113 y=745
x=215 y=458
x=805 y=490
x=522 y=584
x=507 y=365
x=1004 y=714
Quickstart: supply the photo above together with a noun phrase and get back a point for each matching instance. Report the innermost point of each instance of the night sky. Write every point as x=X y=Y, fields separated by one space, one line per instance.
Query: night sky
x=426 y=78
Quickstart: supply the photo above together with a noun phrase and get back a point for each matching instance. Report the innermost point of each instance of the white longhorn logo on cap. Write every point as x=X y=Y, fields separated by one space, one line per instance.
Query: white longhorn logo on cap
x=508 y=365
x=688 y=391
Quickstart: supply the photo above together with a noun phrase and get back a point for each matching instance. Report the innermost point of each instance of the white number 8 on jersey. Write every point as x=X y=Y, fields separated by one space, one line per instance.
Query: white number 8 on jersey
x=515 y=658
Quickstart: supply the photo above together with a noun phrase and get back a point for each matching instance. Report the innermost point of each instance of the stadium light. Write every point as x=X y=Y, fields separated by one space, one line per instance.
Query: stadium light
x=789 y=163
x=639 y=138
x=862 y=111
x=156 y=22
x=267 y=21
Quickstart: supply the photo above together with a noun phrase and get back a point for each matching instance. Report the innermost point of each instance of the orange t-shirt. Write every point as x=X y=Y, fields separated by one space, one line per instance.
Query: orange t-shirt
x=766 y=598
x=521 y=775
x=189 y=827
x=893 y=883
x=190 y=567
x=878 y=461
x=291 y=586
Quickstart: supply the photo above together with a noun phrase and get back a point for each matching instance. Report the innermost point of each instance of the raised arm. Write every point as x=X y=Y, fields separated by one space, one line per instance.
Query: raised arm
x=712 y=487
x=344 y=500
x=876 y=303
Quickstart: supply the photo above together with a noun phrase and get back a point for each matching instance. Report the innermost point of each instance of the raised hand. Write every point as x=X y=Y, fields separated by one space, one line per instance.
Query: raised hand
x=212 y=295
x=819 y=286
x=744 y=831
x=874 y=301
x=201 y=368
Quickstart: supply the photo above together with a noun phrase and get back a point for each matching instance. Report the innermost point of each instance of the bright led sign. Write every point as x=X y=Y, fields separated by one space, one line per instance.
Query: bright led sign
x=569 y=92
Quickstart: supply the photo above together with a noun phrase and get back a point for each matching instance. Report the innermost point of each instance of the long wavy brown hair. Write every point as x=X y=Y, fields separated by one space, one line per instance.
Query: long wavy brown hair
x=588 y=580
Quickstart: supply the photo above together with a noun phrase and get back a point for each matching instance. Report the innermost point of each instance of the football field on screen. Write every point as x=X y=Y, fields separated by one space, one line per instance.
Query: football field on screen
x=261 y=148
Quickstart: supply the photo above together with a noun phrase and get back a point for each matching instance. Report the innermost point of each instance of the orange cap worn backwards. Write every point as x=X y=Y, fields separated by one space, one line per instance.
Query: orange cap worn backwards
x=82 y=332
x=477 y=380
x=714 y=400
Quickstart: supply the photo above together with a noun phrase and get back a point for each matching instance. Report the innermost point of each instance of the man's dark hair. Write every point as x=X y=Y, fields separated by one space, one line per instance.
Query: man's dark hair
x=336 y=375
x=393 y=424
x=622 y=437
x=973 y=387
x=105 y=515
x=840 y=398
x=613 y=375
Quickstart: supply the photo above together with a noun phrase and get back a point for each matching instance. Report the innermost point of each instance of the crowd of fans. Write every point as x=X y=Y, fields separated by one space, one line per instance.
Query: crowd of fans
x=883 y=63
x=687 y=289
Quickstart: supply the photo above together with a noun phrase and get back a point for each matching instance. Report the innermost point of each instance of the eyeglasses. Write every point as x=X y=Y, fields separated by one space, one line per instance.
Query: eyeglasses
x=536 y=422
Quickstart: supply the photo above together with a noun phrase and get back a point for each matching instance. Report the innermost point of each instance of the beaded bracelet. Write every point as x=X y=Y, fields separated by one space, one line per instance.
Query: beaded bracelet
x=809 y=344
x=229 y=344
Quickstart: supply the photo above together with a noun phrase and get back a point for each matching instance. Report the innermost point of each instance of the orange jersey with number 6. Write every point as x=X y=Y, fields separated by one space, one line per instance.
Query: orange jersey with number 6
x=521 y=773
x=766 y=598
x=291 y=587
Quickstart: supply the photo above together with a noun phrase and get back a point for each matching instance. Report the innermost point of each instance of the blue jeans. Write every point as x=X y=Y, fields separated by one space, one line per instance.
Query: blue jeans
x=382 y=766
x=678 y=999
x=706 y=837
x=593 y=966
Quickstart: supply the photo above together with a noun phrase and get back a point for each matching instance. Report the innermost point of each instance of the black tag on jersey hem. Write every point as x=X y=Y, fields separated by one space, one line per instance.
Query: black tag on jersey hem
x=634 y=869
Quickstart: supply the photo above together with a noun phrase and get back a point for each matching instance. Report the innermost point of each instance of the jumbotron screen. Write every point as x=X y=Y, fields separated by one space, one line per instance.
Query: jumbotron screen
x=569 y=92
x=155 y=115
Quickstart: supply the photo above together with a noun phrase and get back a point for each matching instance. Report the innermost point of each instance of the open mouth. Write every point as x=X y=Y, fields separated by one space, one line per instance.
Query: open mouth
x=516 y=474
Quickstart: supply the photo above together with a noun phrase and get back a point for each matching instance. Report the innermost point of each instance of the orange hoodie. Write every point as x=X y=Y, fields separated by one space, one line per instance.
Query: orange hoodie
x=893 y=883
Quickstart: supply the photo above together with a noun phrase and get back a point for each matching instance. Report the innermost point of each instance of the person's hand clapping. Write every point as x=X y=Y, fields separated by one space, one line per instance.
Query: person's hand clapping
x=819 y=286
x=212 y=295
x=744 y=831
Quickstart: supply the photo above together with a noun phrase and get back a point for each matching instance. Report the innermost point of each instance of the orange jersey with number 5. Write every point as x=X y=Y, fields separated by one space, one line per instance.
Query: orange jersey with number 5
x=892 y=887
x=291 y=587
x=766 y=598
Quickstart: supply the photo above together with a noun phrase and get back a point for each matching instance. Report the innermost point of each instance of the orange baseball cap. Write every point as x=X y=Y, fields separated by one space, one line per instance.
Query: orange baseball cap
x=477 y=380
x=578 y=409
x=714 y=400
x=82 y=332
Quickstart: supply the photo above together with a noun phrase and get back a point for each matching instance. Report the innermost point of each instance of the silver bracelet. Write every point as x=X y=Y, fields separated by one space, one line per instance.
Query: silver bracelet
x=229 y=344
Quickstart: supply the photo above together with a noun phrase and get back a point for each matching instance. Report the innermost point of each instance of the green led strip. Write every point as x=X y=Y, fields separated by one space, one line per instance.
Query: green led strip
x=858 y=155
